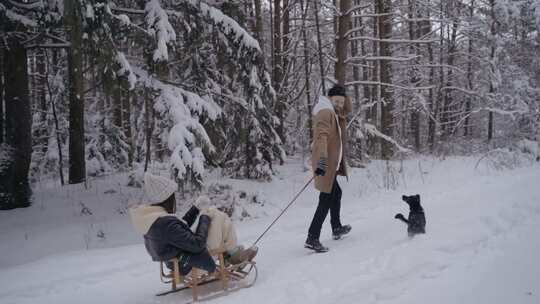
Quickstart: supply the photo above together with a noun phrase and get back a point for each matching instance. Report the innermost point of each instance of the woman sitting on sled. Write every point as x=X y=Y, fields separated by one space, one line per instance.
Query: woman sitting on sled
x=167 y=236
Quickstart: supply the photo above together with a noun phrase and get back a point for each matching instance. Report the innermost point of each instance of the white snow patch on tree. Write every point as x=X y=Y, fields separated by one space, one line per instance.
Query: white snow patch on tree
x=187 y=135
x=160 y=27
x=229 y=26
x=125 y=70
x=17 y=17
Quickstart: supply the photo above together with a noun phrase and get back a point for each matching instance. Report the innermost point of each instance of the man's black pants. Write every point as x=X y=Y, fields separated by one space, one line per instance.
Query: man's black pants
x=327 y=201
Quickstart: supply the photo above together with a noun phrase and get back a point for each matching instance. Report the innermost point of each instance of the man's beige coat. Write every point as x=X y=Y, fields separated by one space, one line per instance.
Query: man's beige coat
x=329 y=140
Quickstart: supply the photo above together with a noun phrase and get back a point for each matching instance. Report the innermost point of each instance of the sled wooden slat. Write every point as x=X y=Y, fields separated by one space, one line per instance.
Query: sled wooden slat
x=198 y=277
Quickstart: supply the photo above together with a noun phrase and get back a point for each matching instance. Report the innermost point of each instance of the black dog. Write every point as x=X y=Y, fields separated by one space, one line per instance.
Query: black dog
x=417 y=220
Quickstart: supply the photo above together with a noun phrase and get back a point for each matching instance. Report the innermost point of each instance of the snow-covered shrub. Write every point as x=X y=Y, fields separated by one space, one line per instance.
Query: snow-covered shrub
x=238 y=204
x=505 y=159
x=530 y=147
x=136 y=177
x=6 y=153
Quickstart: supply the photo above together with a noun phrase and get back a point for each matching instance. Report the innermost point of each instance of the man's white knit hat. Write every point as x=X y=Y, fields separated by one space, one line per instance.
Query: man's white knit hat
x=158 y=188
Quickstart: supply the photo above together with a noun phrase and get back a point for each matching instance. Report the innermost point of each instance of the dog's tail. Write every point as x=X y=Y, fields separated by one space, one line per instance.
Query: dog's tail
x=400 y=216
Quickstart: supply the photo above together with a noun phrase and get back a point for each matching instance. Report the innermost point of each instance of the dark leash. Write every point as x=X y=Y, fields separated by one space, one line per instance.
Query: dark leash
x=284 y=210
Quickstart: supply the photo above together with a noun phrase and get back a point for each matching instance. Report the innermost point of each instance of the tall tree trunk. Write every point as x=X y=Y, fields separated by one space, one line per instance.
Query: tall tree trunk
x=117 y=103
x=355 y=69
x=283 y=100
x=344 y=22
x=1 y=95
x=77 y=166
x=384 y=7
x=414 y=31
x=431 y=123
x=365 y=69
x=373 y=113
x=355 y=150
x=126 y=115
x=307 y=67
x=436 y=112
x=285 y=40
x=259 y=24
x=278 y=69
x=447 y=118
x=16 y=152
x=468 y=104
x=52 y=100
x=41 y=92
x=148 y=129
x=493 y=32
x=319 y=45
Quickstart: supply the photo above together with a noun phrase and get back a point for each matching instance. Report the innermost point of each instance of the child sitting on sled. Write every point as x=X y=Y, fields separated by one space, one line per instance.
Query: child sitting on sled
x=167 y=236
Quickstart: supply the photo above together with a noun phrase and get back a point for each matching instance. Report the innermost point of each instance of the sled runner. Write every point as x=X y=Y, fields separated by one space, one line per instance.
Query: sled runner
x=231 y=277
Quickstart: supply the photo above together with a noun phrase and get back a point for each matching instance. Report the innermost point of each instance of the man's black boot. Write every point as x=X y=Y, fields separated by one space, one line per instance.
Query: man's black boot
x=314 y=244
x=340 y=231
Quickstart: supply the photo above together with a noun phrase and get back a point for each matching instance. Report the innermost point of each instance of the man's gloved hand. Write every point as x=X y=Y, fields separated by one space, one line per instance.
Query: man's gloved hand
x=321 y=167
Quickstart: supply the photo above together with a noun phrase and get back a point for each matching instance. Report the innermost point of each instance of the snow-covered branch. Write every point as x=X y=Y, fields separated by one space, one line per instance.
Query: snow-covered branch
x=226 y=24
x=392 y=40
x=367 y=82
x=158 y=25
x=389 y=58
x=372 y=130
x=18 y=18
x=183 y=108
x=358 y=8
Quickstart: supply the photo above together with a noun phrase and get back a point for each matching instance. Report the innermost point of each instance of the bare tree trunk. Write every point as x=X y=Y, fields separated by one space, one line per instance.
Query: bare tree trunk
x=431 y=122
x=447 y=119
x=319 y=45
x=77 y=166
x=1 y=95
x=468 y=105
x=41 y=92
x=373 y=113
x=148 y=129
x=365 y=69
x=14 y=187
x=436 y=113
x=278 y=69
x=52 y=100
x=307 y=67
x=342 y=41
x=117 y=103
x=492 y=69
x=355 y=145
x=259 y=24
x=285 y=40
x=283 y=100
x=126 y=115
x=414 y=31
x=384 y=7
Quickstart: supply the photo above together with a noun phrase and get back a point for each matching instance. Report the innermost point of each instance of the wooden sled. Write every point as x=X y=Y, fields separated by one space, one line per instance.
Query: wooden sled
x=232 y=277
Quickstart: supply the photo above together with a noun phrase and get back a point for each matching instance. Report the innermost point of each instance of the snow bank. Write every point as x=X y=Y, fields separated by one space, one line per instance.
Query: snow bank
x=479 y=247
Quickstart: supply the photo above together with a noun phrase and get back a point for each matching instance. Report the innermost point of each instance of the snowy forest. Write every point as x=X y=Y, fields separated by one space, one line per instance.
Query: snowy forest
x=93 y=87
x=118 y=116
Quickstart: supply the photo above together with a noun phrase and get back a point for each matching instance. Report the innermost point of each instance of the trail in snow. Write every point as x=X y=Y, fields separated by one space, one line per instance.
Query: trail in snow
x=481 y=246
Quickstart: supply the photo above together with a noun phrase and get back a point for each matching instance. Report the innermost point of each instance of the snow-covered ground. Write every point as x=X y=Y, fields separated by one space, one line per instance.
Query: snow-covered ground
x=481 y=246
